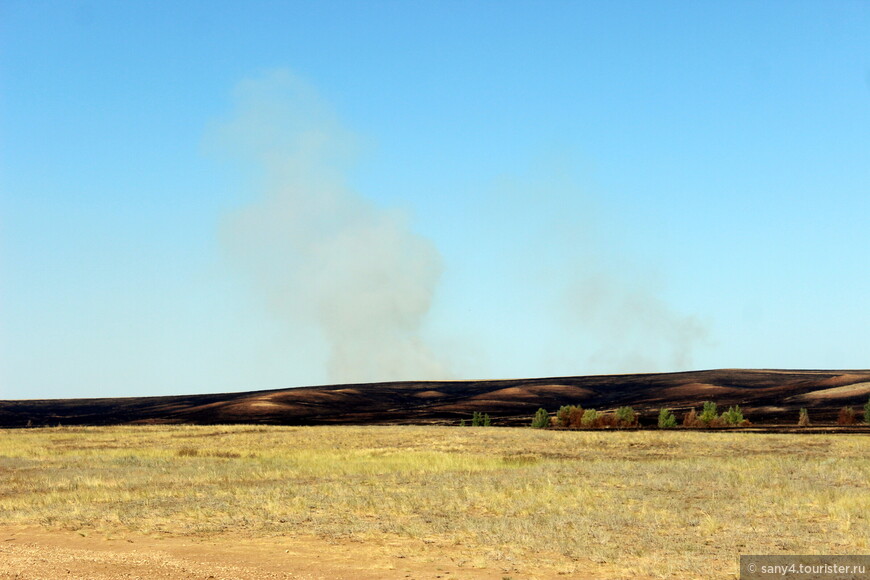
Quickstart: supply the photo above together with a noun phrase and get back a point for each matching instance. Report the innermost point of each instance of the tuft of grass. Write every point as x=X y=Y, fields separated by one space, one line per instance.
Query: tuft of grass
x=517 y=459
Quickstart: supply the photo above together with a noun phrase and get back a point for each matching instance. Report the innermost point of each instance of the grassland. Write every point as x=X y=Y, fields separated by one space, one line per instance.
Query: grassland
x=541 y=503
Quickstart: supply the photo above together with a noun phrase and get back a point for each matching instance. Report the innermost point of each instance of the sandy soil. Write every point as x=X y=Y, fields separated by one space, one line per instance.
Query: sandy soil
x=33 y=553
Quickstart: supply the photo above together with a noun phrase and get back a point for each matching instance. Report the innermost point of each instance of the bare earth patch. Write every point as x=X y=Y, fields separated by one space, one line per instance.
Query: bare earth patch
x=33 y=553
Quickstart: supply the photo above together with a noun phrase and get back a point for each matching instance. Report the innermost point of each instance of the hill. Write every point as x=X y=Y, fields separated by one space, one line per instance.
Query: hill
x=766 y=396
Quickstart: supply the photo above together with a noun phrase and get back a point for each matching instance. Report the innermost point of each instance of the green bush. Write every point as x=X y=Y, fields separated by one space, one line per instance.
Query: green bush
x=667 y=420
x=733 y=416
x=708 y=414
x=479 y=419
x=541 y=419
x=589 y=417
x=626 y=417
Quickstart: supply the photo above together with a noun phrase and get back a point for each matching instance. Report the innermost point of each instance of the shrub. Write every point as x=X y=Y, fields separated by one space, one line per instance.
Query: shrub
x=606 y=420
x=804 y=419
x=708 y=414
x=733 y=416
x=568 y=417
x=626 y=417
x=589 y=419
x=541 y=419
x=846 y=416
x=563 y=416
x=462 y=422
x=667 y=419
x=690 y=419
x=575 y=418
x=479 y=419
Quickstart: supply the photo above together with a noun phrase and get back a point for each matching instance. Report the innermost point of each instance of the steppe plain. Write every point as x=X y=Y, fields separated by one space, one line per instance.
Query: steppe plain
x=375 y=501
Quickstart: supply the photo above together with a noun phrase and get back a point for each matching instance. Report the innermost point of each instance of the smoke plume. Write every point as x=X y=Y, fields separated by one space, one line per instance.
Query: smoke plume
x=610 y=309
x=323 y=256
x=632 y=328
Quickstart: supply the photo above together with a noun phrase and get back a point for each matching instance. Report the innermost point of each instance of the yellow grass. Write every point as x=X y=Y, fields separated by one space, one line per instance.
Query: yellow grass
x=667 y=504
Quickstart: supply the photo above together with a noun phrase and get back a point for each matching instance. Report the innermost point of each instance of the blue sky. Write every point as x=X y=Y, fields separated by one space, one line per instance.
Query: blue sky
x=216 y=196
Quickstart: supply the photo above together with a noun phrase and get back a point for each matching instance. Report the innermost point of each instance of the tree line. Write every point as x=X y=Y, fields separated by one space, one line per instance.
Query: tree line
x=576 y=417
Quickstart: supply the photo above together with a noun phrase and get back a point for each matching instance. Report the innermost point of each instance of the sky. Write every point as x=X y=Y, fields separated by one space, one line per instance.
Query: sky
x=225 y=196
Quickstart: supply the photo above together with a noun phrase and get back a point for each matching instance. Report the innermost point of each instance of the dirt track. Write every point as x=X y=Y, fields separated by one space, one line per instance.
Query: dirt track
x=32 y=553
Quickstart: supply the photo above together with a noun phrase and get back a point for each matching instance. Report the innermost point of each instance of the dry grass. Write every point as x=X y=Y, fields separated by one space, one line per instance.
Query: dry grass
x=670 y=504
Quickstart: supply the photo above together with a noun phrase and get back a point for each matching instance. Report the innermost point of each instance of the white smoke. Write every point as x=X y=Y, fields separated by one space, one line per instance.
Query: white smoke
x=322 y=255
x=612 y=310
x=632 y=327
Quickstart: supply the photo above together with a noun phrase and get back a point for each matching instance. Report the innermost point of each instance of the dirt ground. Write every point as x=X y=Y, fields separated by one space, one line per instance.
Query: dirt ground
x=33 y=553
